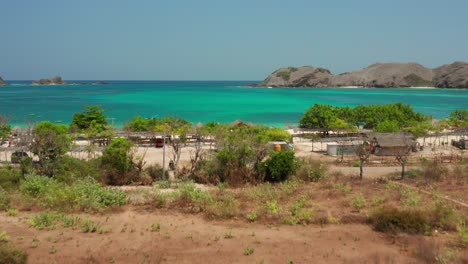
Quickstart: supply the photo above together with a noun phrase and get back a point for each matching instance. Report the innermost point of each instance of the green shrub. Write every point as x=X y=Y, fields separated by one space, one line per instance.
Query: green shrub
x=224 y=206
x=280 y=165
x=190 y=194
x=393 y=220
x=70 y=169
x=299 y=214
x=34 y=185
x=312 y=170
x=116 y=162
x=85 y=195
x=45 y=220
x=9 y=177
x=463 y=233
x=4 y=200
x=155 y=171
x=88 y=226
x=91 y=195
x=413 y=173
x=443 y=215
x=359 y=202
x=410 y=197
x=9 y=253
x=356 y=164
x=12 y=212
x=252 y=217
x=249 y=251
x=273 y=207
x=50 y=220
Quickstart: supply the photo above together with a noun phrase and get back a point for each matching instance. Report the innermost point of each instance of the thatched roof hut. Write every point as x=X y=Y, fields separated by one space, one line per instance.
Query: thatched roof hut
x=391 y=144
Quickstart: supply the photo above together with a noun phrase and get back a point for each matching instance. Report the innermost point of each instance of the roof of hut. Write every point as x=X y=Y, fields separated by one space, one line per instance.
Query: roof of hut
x=391 y=139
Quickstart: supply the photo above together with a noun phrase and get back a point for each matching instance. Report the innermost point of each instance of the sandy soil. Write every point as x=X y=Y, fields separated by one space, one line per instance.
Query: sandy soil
x=191 y=239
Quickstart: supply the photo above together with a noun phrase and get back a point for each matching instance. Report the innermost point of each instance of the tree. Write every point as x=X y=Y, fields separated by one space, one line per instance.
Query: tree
x=116 y=162
x=363 y=151
x=177 y=128
x=459 y=118
x=5 y=128
x=137 y=124
x=319 y=116
x=402 y=155
x=50 y=142
x=91 y=118
x=421 y=129
x=387 y=126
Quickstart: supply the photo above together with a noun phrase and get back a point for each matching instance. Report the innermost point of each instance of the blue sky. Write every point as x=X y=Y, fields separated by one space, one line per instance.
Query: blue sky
x=222 y=40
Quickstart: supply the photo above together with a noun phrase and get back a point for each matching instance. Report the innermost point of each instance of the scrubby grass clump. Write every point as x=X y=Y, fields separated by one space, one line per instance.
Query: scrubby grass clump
x=312 y=170
x=9 y=253
x=394 y=220
x=414 y=220
x=84 y=195
x=50 y=220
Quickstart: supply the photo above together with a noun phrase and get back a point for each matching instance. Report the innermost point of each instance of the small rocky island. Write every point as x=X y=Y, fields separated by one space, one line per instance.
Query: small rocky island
x=381 y=75
x=57 y=80
x=2 y=82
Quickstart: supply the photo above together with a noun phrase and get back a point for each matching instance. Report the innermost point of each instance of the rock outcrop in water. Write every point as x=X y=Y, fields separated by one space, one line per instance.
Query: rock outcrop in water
x=382 y=75
x=2 y=82
x=51 y=81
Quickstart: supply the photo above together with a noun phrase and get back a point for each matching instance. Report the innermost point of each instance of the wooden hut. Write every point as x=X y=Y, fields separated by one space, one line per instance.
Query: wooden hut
x=389 y=144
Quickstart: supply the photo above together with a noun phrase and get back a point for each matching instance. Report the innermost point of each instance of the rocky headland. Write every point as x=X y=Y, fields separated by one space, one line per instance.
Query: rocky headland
x=52 y=81
x=2 y=82
x=382 y=75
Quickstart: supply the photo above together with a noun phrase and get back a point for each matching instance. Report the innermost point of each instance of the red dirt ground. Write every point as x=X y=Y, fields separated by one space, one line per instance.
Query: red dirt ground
x=185 y=238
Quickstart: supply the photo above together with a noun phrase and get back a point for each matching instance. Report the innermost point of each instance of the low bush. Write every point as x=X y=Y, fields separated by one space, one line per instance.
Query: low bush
x=299 y=213
x=9 y=177
x=460 y=171
x=34 y=185
x=190 y=195
x=4 y=200
x=45 y=220
x=415 y=221
x=9 y=253
x=434 y=171
x=462 y=229
x=155 y=171
x=359 y=202
x=224 y=206
x=394 y=220
x=69 y=169
x=50 y=220
x=442 y=215
x=84 y=195
x=409 y=197
x=414 y=173
x=280 y=165
x=312 y=170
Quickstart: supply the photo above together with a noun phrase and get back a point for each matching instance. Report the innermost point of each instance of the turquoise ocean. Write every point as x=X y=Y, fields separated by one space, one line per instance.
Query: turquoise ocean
x=204 y=101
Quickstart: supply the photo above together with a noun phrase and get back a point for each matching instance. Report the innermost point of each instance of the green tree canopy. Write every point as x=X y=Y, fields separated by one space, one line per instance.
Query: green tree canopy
x=92 y=117
x=335 y=118
x=5 y=128
x=50 y=142
x=459 y=118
